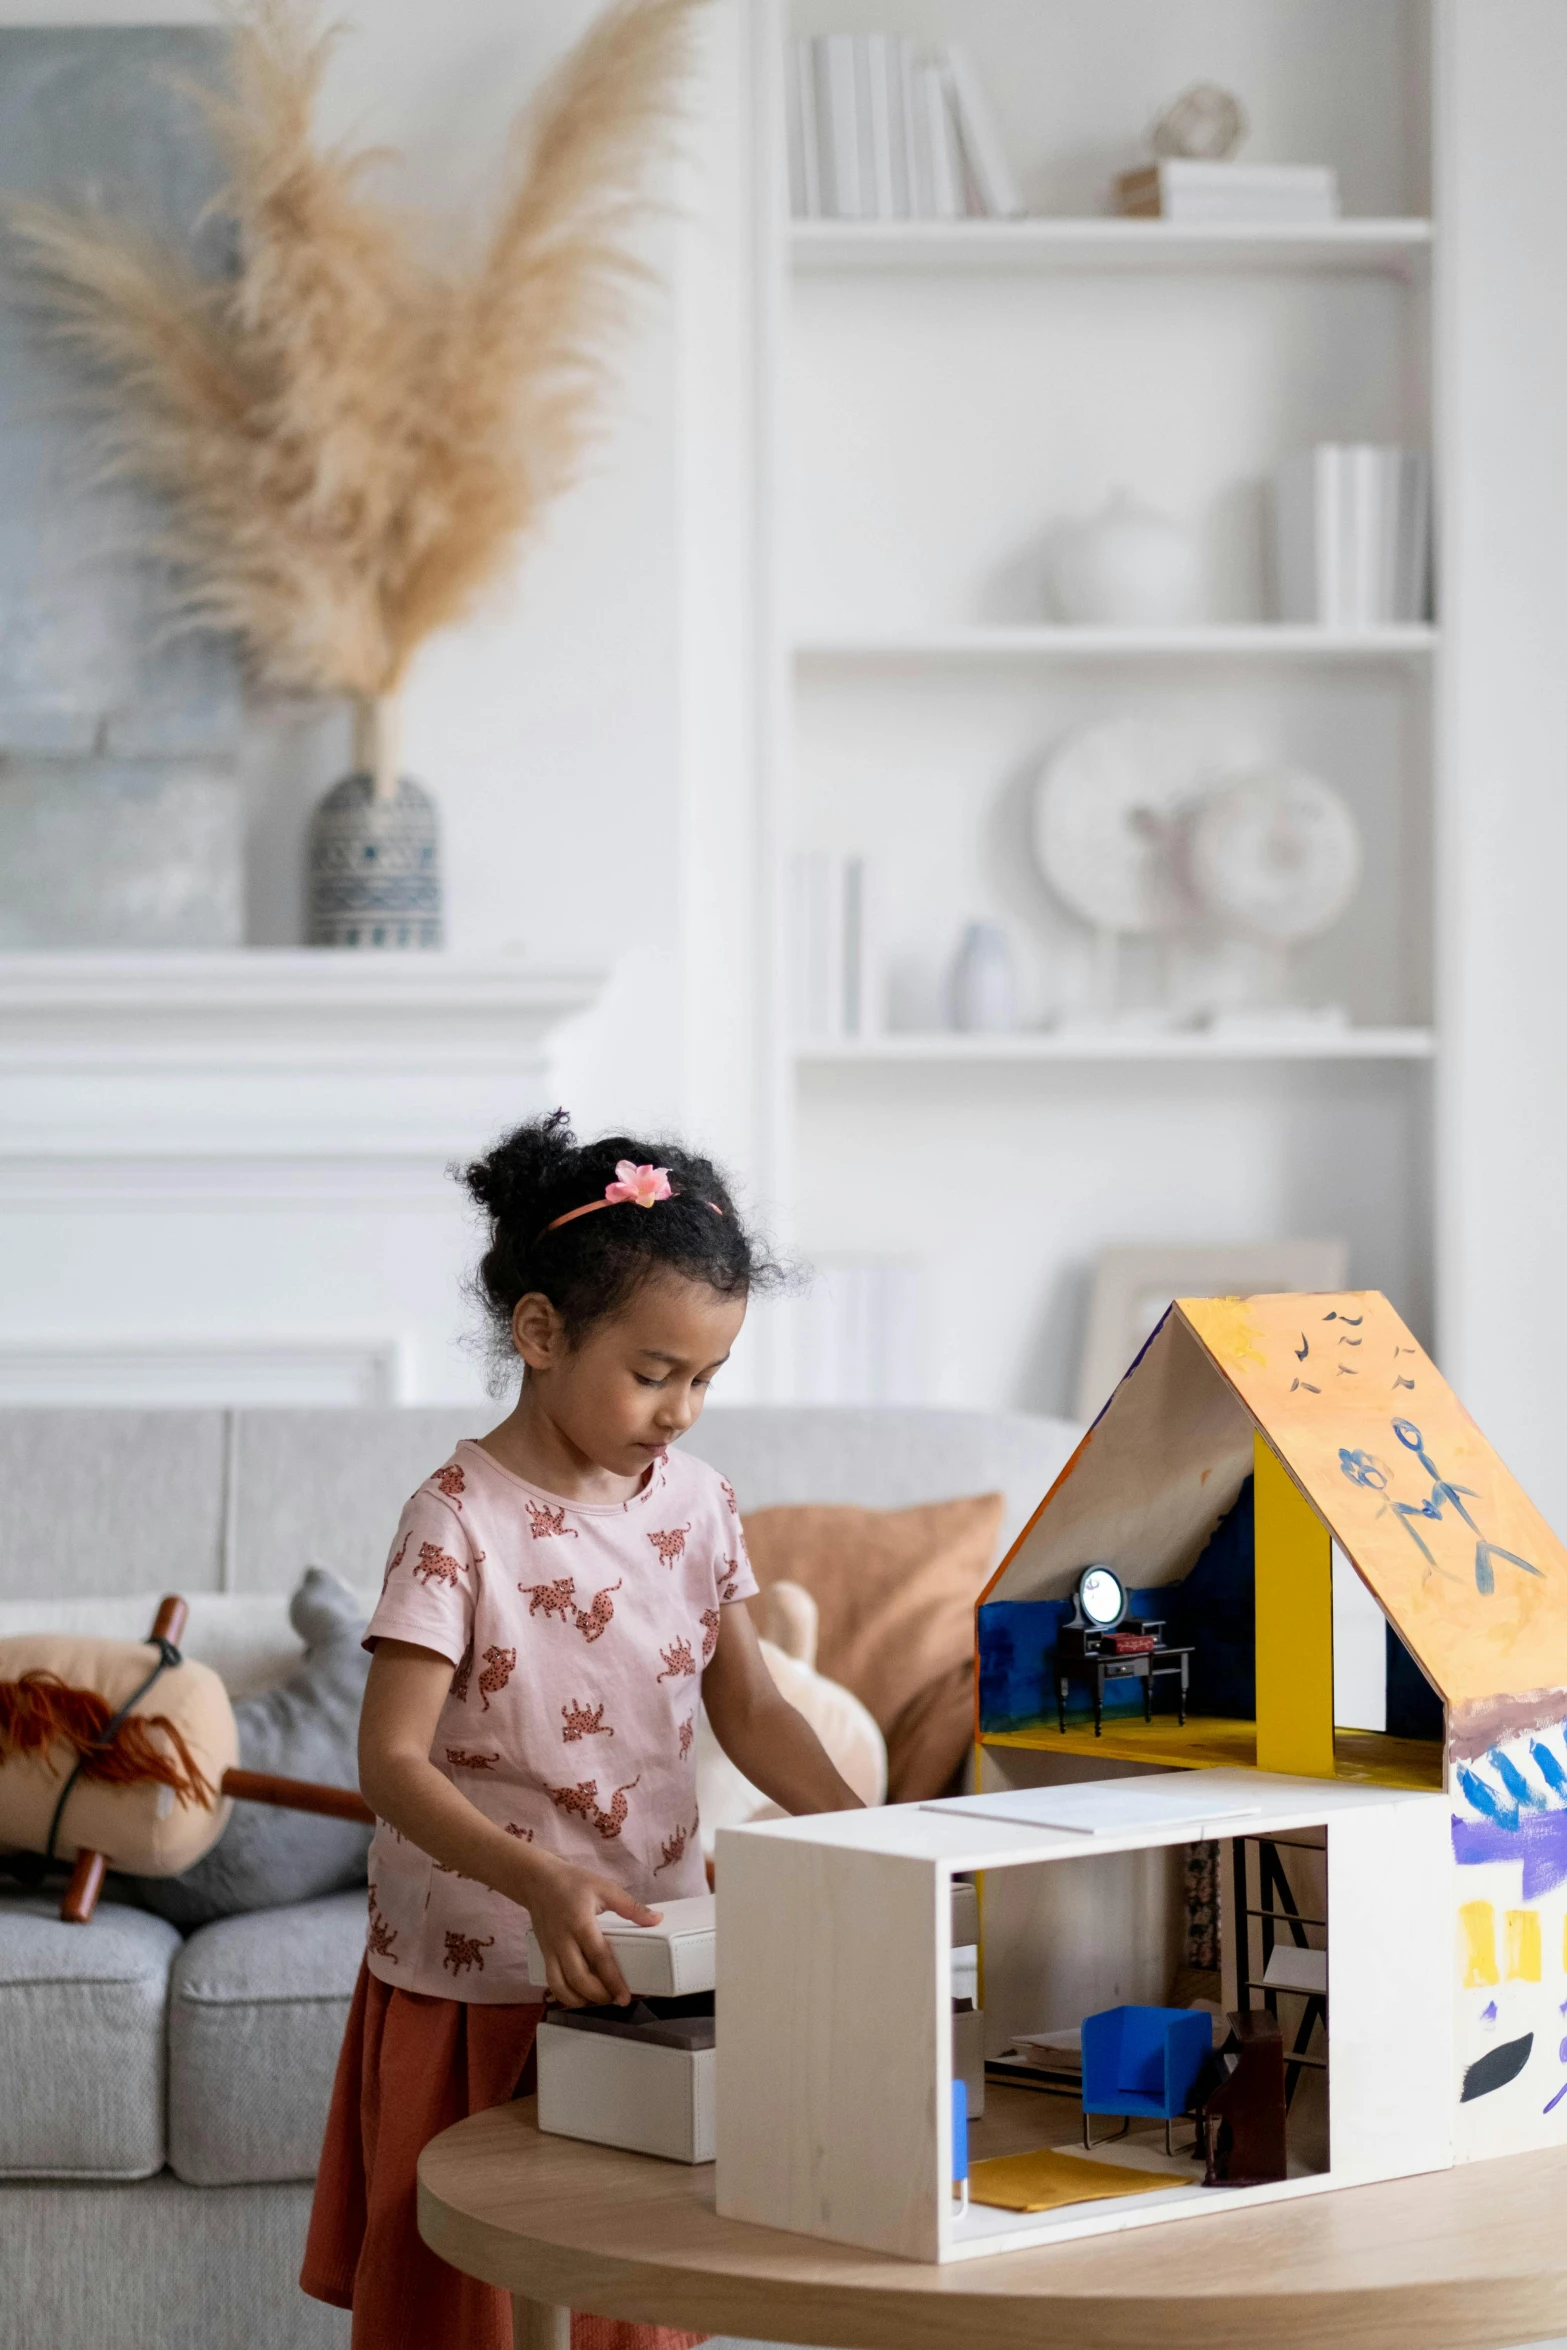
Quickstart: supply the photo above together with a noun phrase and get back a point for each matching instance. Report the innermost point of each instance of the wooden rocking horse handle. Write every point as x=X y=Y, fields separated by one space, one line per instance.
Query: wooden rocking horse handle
x=334 y=1803
x=171 y=1619
x=80 y=1897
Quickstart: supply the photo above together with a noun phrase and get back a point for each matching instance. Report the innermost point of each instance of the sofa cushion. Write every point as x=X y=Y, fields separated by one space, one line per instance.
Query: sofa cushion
x=257 y=2007
x=896 y=1592
x=329 y=1485
x=81 y=2041
x=111 y=1501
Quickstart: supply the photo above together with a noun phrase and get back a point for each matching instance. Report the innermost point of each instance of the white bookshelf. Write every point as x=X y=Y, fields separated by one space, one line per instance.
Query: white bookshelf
x=946 y=394
x=1393 y=248
x=1024 y=1048
x=1257 y=642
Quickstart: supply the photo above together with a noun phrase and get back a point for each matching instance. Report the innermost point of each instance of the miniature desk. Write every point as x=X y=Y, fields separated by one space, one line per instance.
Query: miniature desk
x=1147 y=1666
x=1472 y=2258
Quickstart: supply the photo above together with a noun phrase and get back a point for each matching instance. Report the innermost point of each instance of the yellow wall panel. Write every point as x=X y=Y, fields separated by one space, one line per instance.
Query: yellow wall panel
x=1477 y=1924
x=1294 y=1625
x=1523 y=1946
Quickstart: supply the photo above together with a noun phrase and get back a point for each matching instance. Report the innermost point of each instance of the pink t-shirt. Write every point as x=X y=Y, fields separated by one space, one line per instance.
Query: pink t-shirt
x=579 y=1631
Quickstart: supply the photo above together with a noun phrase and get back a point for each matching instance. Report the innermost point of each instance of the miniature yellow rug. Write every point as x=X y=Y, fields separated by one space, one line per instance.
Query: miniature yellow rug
x=1040 y=2181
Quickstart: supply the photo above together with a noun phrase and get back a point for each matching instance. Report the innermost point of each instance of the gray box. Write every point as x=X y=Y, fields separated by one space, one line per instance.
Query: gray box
x=116 y=855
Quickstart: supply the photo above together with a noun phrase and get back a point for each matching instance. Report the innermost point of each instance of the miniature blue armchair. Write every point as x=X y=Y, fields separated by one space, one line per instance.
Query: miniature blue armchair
x=1143 y=2062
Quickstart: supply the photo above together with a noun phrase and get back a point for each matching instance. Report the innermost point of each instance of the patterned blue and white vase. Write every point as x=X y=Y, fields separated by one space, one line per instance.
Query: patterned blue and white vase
x=375 y=854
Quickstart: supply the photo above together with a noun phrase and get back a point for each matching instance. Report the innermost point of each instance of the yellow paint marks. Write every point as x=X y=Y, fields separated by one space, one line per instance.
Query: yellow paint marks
x=1227 y=1329
x=1294 y=1625
x=1523 y=1946
x=1477 y=1923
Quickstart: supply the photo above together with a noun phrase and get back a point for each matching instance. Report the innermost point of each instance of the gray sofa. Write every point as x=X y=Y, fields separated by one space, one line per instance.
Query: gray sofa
x=162 y=2100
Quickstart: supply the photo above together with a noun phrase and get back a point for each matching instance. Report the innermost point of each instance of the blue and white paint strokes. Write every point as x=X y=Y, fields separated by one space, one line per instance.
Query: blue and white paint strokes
x=1517 y=1811
x=1509 y=1830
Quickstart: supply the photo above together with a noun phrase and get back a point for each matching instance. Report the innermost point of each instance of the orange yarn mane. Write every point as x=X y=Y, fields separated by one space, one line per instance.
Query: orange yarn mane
x=41 y=1709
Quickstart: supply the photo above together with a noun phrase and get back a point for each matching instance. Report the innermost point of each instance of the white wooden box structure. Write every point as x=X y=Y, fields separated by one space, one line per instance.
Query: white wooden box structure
x=834 y=1985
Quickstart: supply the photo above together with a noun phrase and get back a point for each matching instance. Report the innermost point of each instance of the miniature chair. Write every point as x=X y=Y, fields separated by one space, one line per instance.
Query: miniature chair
x=1143 y=2062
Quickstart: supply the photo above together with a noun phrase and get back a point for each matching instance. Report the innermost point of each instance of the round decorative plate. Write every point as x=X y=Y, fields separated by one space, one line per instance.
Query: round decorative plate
x=1275 y=857
x=1107 y=810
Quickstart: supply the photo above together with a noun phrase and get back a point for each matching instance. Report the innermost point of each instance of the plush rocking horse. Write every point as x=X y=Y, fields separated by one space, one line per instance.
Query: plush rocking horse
x=124 y=1754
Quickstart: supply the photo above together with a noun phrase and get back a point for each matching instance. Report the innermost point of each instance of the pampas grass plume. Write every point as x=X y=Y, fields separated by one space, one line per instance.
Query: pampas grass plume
x=346 y=440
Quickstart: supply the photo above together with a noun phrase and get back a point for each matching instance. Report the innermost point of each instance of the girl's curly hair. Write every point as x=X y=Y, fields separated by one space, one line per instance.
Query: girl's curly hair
x=590 y=1268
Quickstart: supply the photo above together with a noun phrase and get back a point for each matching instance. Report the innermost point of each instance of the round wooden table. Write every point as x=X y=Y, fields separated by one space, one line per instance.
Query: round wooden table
x=1467 y=2259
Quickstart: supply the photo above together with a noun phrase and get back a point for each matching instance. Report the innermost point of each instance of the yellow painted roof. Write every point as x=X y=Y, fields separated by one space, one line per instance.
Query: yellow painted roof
x=1452 y=1547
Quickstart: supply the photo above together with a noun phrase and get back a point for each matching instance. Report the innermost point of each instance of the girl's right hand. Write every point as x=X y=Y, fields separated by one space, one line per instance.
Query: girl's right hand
x=565 y=1904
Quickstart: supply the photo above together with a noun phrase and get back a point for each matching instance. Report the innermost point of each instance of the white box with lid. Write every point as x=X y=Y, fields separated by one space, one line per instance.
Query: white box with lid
x=666 y=1961
x=638 y=2080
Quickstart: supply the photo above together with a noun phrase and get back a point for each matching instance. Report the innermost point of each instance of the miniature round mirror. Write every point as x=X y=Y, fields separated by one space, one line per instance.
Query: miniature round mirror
x=1100 y=1598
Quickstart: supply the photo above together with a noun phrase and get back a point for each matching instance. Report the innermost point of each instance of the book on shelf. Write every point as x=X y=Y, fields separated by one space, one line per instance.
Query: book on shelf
x=1294 y=194
x=938 y=161
x=1352 y=536
x=832 y=975
x=880 y=128
x=985 y=158
x=805 y=179
x=843 y=145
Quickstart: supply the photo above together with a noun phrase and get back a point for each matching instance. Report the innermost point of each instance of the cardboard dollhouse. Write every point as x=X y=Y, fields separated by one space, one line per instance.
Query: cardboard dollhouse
x=1377 y=1621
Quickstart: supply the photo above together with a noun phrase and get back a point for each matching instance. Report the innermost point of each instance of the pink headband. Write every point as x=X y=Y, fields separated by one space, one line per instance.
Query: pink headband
x=639 y=1186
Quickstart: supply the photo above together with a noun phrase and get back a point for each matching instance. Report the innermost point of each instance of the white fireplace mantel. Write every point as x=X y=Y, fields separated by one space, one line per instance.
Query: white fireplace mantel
x=287 y=1053
x=227 y=1178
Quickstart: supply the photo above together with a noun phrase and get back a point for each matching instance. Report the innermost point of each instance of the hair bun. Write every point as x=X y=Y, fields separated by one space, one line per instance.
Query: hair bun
x=530 y=1187
x=515 y=1183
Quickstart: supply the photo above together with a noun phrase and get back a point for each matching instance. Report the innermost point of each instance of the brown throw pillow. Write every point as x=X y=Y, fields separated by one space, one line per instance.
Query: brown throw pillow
x=896 y=1590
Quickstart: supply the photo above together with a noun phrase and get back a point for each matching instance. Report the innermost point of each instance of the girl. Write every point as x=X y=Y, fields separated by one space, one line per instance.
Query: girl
x=560 y=1598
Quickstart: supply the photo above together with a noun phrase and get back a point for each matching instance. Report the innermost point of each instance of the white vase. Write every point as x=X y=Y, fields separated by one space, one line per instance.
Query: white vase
x=1126 y=567
x=982 y=989
x=375 y=849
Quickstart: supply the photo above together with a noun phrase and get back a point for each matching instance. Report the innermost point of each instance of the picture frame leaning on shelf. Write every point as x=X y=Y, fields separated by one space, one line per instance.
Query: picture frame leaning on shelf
x=1132 y=1286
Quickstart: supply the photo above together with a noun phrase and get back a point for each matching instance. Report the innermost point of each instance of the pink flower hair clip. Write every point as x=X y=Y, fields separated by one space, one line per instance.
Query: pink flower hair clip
x=640 y=1186
x=637 y=1187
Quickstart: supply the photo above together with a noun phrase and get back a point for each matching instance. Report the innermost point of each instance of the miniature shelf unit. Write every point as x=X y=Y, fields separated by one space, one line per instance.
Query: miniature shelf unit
x=835 y=1988
x=944 y=395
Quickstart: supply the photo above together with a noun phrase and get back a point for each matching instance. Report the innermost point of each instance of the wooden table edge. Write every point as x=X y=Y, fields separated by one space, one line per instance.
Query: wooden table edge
x=1493 y=2310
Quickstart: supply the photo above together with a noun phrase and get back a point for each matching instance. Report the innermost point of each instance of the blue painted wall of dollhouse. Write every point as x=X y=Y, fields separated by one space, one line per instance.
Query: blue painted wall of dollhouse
x=1213 y=1608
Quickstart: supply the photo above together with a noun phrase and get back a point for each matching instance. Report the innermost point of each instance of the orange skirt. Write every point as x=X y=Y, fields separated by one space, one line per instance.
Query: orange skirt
x=411 y=2066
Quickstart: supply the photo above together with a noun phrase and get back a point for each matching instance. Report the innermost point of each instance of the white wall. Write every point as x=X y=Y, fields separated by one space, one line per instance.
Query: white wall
x=1502 y=971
